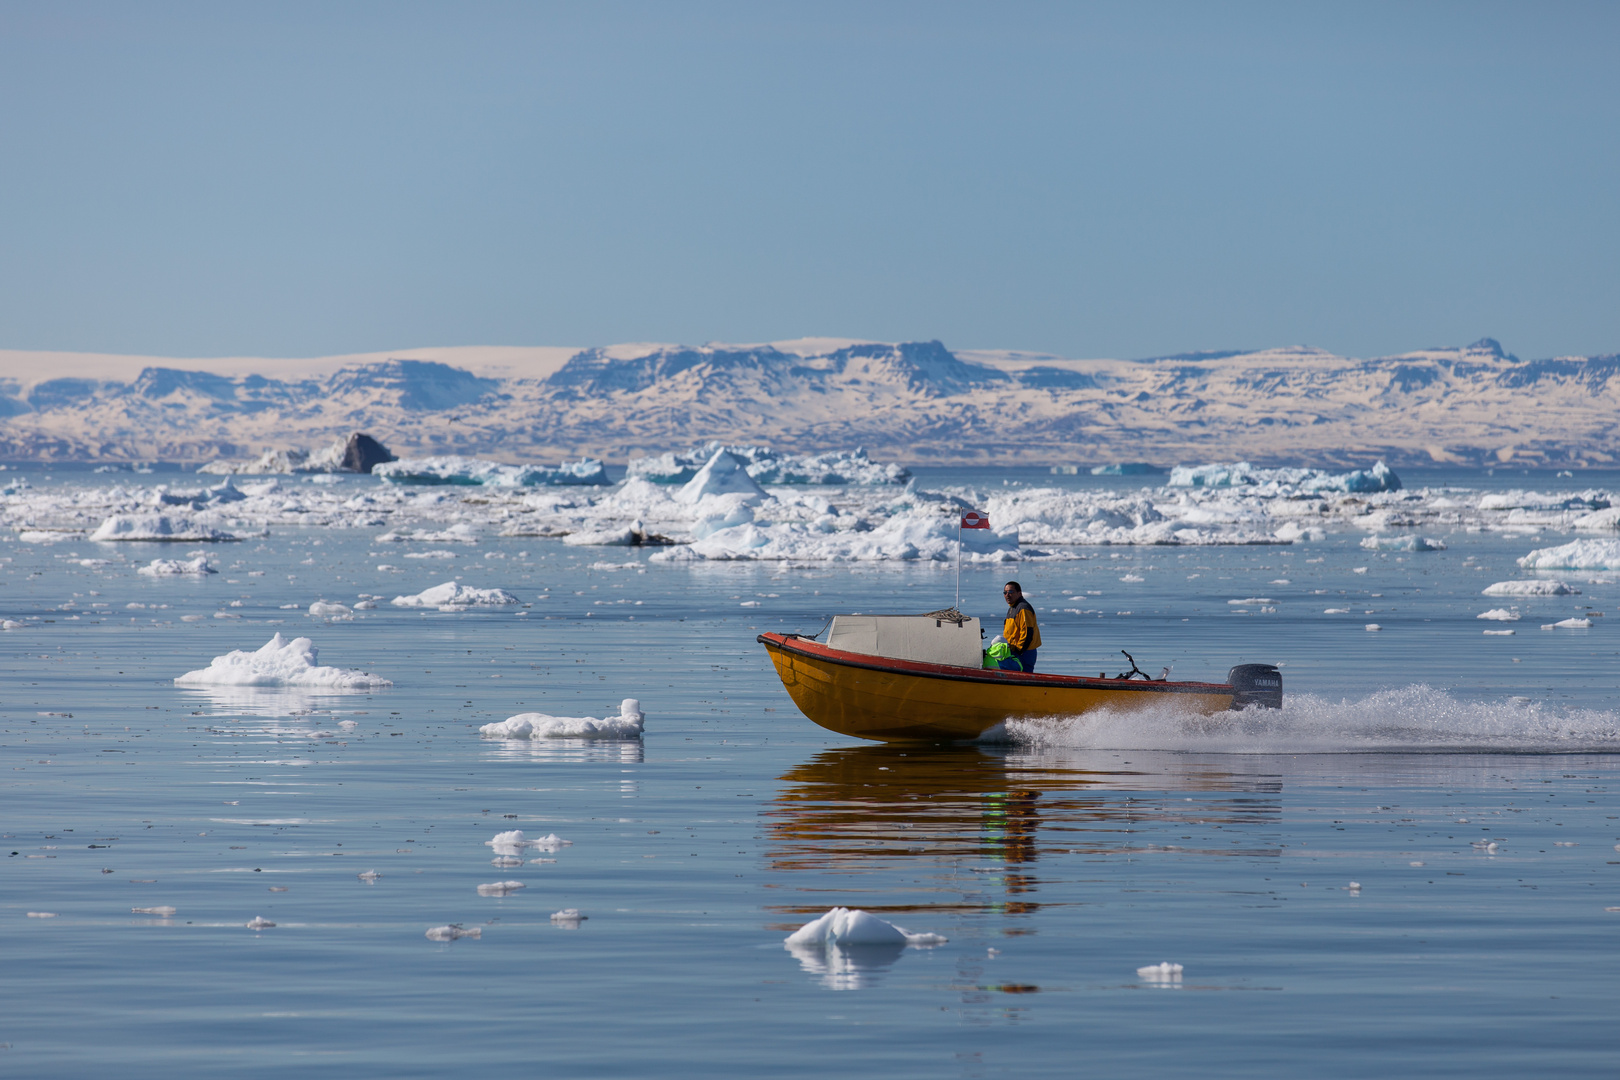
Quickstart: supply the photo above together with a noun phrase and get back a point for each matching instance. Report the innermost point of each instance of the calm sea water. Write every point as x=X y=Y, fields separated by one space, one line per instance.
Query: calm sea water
x=1056 y=865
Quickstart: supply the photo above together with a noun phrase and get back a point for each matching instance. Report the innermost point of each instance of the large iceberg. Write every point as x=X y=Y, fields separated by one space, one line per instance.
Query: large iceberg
x=724 y=474
x=1577 y=555
x=767 y=466
x=468 y=471
x=1378 y=478
x=279 y=663
x=629 y=724
x=157 y=527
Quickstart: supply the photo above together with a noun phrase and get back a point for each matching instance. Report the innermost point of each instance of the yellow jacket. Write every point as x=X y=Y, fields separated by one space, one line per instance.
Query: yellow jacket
x=1020 y=630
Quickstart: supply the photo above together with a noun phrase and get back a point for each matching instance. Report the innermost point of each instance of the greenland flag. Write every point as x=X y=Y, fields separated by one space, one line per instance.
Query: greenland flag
x=975 y=520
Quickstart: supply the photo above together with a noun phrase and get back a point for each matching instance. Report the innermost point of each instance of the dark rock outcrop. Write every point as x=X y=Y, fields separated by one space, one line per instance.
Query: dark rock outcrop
x=363 y=453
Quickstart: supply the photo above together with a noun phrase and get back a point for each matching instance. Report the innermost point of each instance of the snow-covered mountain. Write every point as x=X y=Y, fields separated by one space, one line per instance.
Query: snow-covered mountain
x=913 y=402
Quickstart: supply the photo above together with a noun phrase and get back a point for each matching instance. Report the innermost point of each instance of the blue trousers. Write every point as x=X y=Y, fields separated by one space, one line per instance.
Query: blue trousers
x=1024 y=661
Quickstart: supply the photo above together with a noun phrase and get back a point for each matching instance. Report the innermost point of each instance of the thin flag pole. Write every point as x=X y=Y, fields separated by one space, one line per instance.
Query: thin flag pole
x=958 y=604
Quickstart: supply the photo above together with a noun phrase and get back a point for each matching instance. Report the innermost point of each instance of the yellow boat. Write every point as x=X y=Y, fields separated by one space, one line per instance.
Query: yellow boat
x=890 y=699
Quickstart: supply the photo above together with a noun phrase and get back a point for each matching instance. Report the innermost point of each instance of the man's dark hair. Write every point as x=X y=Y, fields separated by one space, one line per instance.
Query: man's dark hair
x=1015 y=585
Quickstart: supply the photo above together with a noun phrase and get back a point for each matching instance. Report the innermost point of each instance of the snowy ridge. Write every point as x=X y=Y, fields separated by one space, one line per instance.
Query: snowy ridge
x=912 y=401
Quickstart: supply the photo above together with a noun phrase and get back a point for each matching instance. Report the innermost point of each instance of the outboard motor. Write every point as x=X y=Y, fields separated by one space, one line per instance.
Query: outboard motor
x=1255 y=684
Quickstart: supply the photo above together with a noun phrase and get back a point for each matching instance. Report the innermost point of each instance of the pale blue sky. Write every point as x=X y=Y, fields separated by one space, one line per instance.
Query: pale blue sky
x=1093 y=180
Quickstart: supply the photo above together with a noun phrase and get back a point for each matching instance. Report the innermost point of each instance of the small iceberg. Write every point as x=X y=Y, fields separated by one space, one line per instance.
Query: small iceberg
x=513 y=842
x=259 y=922
x=1403 y=543
x=1529 y=588
x=162 y=527
x=629 y=724
x=1578 y=555
x=452 y=932
x=852 y=926
x=322 y=609
x=1499 y=615
x=500 y=888
x=568 y=917
x=279 y=662
x=177 y=567
x=1164 y=972
x=454 y=595
x=1569 y=624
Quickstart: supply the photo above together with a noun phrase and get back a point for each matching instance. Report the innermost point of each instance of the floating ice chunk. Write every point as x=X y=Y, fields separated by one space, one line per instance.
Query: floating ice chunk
x=453 y=594
x=568 y=917
x=157 y=527
x=1372 y=626
x=1336 y=611
x=725 y=474
x=513 y=842
x=1354 y=886
x=459 y=533
x=1500 y=633
x=1529 y=588
x=369 y=876
x=1403 y=543
x=464 y=470
x=1600 y=521
x=453 y=932
x=279 y=662
x=1292 y=532
x=1577 y=555
x=12 y=624
x=500 y=888
x=1163 y=972
x=847 y=926
x=1571 y=624
x=504 y=861
x=629 y=724
x=616 y=537
x=323 y=609
x=164 y=910
x=42 y=914
x=1416 y=863
x=1251 y=601
x=259 y=922
x=1499 y=615
x=1358 y=569
x=1133 y=578
x=49 y=536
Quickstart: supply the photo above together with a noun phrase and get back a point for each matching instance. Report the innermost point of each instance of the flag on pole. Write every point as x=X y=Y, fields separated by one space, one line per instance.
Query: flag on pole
x=975 y=520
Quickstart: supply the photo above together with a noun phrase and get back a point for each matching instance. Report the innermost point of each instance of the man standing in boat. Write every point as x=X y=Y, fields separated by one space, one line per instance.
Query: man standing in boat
x=1020 y=631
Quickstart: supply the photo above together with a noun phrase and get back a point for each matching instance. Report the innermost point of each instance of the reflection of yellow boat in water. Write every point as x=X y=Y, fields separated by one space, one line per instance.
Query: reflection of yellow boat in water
x=877 y=687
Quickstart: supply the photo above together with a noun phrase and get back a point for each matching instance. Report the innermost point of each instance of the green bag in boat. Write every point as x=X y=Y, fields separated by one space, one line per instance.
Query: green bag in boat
x=998 y=652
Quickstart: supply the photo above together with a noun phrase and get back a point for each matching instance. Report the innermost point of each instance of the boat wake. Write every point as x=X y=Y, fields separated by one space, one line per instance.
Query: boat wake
x=1414 y=719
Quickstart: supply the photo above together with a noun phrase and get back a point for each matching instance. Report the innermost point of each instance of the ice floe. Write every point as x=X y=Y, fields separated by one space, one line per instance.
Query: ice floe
x=500 y=888
x=323 y=609
x=177 y=567
x=568 y=917
x=1577 y=555
x=469 y=471
x=163 y=909
x=1569 y=624
x=258 y=922
x=279 y=662
x=453 y=932
x=629 y=724
x=453 y=595
x=1499 y=615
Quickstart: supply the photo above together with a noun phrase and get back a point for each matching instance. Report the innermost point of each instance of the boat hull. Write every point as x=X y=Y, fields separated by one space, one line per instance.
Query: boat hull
x=873 y=697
